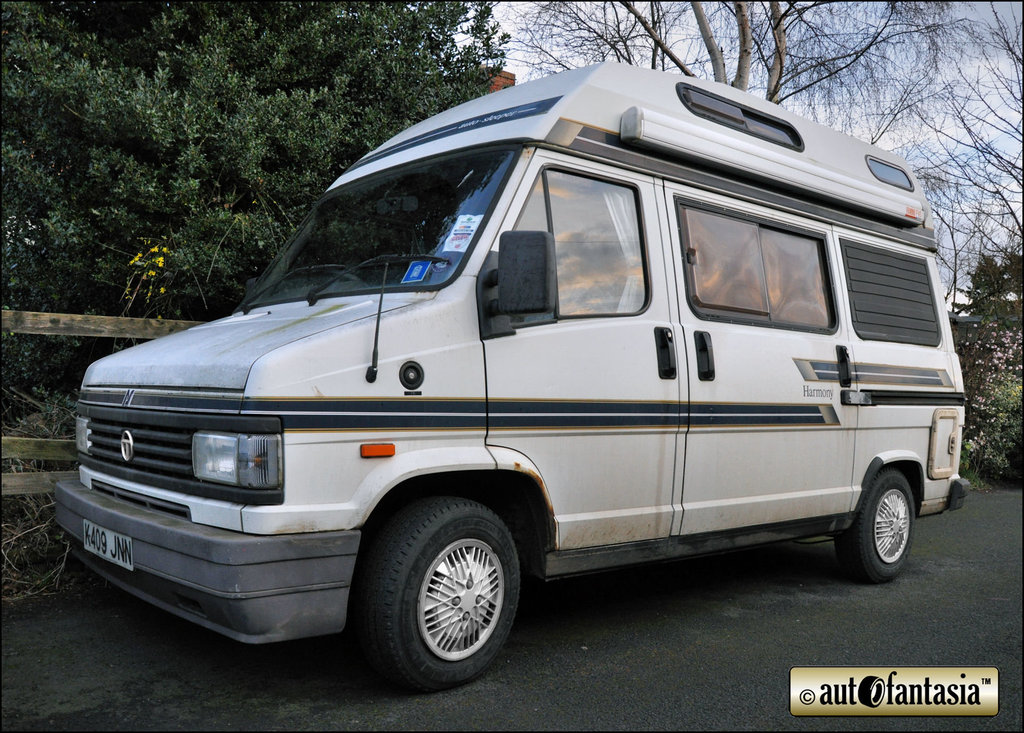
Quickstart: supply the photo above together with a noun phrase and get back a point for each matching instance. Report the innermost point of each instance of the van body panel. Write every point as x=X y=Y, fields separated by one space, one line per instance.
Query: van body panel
x=907 y=382
x=413 y=458
x=329 y=410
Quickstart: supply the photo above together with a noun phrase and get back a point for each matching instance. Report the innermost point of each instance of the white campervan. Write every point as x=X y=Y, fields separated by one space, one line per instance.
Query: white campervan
x=610 y=317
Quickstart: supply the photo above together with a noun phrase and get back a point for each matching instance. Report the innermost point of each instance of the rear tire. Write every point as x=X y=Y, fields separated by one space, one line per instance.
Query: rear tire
x=875 y=547
x=438 y=593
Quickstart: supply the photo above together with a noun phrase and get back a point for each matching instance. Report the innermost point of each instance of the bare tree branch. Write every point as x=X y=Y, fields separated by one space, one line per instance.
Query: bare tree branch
x=657 y=38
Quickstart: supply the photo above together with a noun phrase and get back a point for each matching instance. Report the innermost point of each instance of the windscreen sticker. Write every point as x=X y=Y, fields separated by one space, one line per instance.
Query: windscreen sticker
x=463 y=231
x=417 y=272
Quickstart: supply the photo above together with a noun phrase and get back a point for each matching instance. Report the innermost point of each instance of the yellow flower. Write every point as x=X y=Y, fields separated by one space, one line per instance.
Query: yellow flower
x=151 y=273
x=163 y=290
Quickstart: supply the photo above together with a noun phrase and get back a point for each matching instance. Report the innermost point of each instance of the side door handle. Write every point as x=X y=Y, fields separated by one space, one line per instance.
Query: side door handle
x=843 y=359
x=705 y=356
x=666 y=353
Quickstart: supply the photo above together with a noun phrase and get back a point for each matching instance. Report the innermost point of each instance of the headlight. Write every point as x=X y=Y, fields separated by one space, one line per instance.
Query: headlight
x=253 y=461
x=82 y=433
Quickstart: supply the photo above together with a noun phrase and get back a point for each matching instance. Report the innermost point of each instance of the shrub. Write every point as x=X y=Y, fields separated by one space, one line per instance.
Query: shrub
x=991 y=360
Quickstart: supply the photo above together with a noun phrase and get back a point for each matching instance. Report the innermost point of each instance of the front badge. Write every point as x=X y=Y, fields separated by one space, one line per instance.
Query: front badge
x=127 y=446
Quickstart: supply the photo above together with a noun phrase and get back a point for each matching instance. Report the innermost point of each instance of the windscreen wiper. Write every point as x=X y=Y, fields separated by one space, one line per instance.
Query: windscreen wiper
x=246 y=305
x=314 y=294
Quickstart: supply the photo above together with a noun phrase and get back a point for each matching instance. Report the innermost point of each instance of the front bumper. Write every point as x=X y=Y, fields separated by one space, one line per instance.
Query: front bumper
x=252 y=588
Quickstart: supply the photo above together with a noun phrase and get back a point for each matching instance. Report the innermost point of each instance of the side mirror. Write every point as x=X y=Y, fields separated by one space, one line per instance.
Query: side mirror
x=526 y=273
x=516 y=280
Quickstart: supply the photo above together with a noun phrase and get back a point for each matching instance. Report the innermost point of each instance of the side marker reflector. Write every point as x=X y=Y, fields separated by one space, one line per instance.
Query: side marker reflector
x=377 y=450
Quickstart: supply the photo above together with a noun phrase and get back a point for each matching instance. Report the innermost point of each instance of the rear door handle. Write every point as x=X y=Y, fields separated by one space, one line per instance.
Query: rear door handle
x=666 y=353
x=705 y=356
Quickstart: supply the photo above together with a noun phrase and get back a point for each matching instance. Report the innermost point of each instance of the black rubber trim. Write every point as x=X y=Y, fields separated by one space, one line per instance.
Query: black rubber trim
x=592 y=559
x=957 y=492
x=193 y=421
x=895 y=397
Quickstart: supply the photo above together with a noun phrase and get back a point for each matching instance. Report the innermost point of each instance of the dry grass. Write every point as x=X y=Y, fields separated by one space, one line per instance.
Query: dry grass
x=35 y=553
x=36 y=556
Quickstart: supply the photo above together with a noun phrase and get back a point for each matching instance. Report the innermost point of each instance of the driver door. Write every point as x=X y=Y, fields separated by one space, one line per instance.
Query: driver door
x=580 y=391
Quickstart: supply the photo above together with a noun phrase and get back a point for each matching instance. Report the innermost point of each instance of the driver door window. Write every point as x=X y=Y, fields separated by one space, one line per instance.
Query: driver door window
x=598 y=249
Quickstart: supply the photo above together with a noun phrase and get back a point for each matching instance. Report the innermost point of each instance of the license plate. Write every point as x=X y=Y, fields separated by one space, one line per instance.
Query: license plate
x=111 y=546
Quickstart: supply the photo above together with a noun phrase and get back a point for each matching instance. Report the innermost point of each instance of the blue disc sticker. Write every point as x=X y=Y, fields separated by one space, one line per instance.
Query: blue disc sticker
x=417 y=272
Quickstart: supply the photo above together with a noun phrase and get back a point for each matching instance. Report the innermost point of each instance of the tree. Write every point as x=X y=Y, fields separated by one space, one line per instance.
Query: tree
x=974 y=173
x=155 y=155
x=973 y=170
x=782 y=49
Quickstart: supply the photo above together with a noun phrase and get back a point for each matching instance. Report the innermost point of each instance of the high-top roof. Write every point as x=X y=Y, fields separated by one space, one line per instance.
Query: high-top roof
x=674 y=117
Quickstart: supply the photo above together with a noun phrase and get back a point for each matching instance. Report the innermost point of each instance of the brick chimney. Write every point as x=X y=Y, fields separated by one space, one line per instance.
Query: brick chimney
x=502 y=79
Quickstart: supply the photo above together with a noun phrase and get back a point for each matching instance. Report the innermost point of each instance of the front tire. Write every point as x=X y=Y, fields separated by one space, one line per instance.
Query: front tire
x=875 y=547
x=438 y=593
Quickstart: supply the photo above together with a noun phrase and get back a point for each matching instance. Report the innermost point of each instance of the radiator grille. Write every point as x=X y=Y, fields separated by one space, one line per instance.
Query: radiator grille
x=164 y=451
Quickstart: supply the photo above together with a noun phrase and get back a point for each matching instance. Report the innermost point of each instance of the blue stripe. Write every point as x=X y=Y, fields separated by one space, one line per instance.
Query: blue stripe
x=277 y=406
x=568 y=422
x=828 y=371
x=382 y=422
x=562 y=406
x=734 y=415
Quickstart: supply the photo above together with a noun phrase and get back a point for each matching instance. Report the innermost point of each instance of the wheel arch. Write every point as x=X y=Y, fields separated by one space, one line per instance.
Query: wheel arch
x=908 y=464
x=515 y=496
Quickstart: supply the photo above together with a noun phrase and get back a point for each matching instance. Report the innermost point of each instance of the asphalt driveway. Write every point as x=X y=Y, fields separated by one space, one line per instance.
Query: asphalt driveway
x=699 y=644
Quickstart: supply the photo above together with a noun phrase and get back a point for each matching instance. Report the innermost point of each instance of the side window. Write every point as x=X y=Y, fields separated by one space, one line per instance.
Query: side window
x=598 y=250
x=891 y=295
x=744 y=270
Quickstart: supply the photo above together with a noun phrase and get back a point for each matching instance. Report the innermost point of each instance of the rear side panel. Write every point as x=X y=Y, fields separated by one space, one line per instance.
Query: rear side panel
x=904 y=368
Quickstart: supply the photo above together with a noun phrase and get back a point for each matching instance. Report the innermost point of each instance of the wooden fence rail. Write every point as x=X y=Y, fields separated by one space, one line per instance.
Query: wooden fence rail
x=67 y=324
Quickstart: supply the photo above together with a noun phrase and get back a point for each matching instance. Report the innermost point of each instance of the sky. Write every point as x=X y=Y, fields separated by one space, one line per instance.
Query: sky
x=506 y=12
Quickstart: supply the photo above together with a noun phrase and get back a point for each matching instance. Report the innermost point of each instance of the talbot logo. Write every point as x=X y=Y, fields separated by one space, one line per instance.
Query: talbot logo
x=127 y=446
